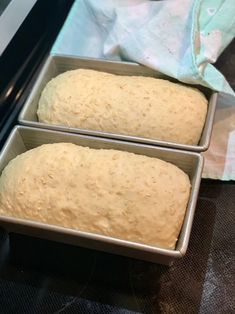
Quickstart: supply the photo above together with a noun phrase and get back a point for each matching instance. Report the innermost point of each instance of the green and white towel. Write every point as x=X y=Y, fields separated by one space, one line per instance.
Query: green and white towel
x=181 y=38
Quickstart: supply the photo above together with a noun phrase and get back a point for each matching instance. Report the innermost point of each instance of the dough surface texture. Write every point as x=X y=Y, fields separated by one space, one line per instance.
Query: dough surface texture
x=108 y=192
x=129 y=105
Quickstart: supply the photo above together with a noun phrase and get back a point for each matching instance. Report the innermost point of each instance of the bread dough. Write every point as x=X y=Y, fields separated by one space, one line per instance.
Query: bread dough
x=131 y=105
x=109 y=192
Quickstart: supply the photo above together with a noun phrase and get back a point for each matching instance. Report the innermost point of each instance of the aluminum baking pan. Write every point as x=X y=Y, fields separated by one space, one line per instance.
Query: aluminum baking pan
x=58 y=64
x=24 y=138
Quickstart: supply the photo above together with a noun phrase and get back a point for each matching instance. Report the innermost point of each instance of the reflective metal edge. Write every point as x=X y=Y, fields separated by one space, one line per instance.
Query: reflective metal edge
x=11 y=20
x=24 y=138
x=57 y=64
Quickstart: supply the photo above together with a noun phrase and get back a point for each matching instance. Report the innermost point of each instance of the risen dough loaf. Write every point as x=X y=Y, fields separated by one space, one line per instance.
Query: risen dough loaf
x=109 y=192
x=131 y=105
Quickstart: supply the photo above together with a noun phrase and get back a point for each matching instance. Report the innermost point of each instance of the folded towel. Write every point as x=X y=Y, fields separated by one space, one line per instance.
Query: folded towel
x=181 y=38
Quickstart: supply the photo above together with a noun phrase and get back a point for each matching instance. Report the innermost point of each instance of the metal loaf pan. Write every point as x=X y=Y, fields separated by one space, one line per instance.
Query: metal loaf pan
x=23 y=138
x=58 y=64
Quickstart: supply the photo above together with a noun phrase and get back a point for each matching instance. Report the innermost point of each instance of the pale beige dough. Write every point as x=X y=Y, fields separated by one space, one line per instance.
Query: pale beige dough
x=108 y=192
x=131 y=105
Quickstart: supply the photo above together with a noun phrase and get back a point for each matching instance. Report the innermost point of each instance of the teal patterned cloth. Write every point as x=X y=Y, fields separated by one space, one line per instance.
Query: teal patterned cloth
x=181 y=38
